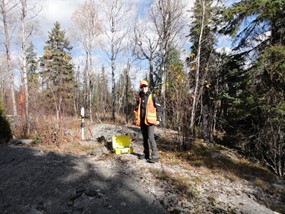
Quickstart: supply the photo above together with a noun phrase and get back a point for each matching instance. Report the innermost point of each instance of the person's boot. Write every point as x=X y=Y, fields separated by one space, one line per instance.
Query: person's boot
x=142 y=156
x=153 y=160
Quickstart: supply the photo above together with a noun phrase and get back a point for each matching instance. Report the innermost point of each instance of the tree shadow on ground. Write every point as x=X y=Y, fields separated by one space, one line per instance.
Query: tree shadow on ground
x=221 y=159
x=34 y=181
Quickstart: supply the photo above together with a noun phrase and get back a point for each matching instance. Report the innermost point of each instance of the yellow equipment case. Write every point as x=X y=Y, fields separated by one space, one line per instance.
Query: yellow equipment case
x=122 y=144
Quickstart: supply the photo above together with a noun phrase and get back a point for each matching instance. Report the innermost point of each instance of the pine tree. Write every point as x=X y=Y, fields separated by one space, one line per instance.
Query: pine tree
x=57 y=72
x=236 y=102
x=259 y=27
x=32 y=69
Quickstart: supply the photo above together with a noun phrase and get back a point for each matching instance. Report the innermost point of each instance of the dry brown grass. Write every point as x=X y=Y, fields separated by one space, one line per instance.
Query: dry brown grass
x=63 y=135
x=209 y=161
x=47 y=130
x=70 y=147
x=180 y=182
x=215 y=158
x=219 y=160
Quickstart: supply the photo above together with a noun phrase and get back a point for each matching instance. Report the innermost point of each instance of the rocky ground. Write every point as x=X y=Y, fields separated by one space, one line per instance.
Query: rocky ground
x=40 y=180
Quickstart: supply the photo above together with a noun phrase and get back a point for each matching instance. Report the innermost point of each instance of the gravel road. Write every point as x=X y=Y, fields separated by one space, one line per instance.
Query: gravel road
x=40 y=181
x=34 y=181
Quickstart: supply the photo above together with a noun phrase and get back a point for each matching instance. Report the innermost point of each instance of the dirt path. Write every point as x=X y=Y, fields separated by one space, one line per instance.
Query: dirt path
x=33 y=181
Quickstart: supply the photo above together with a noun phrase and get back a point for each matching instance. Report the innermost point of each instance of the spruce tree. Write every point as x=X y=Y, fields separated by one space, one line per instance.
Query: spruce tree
x=57 y=72
x=32 y=68
x=5 y=130
x=258 y=27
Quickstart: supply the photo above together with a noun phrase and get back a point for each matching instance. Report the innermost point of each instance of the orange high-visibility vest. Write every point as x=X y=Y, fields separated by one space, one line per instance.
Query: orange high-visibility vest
x=150 y=113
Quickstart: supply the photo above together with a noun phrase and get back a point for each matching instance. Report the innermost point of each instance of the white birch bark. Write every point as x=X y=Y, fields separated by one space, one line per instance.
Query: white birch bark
x=24 y=61
x=88 y=27
x=197 y=74
x=117 y=24
x=5 y=8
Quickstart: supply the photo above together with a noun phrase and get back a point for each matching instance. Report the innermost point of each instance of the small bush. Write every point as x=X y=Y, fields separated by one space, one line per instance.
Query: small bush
x=49 y=130
x=5 y=129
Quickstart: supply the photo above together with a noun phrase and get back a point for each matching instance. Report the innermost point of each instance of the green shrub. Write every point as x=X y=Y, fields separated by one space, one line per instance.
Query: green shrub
x=5 y=129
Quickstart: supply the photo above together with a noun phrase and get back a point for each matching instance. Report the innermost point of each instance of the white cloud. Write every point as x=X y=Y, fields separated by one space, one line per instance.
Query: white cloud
x=62 y=10
x=58 y=10
x=52 y=11
x=224 y=50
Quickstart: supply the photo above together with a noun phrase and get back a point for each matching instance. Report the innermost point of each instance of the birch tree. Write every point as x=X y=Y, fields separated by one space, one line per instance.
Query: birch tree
x=167 y=17
x=116 y=28
x=26 y=32
x=146 y=45
x=197 y=72
x=7 y=9
x=88 y=28
x=203 y=63
x=3 y=80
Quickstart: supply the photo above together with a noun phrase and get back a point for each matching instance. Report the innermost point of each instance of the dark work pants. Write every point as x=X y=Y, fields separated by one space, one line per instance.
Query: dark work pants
x=149 y=144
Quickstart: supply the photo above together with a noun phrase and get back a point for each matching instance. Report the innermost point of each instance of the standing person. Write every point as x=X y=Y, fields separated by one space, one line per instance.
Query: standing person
x=147 y=115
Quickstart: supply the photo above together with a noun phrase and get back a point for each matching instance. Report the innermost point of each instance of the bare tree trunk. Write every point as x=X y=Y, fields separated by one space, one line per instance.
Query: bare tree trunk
x=2 y=86
x=113 y=67
x=76 y=99
x=24 y=62
x=88 y=26
x=163 y=81
x=4 y=11
x=117 y=13
x=151 y=71
x=88 y=82
x=146 y=45
x=90 y=85
x=127 y=112
x=166 y=16
x=197 y=74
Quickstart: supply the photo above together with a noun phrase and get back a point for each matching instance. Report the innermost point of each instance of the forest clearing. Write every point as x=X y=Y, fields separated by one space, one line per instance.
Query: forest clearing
x=81 y=177
x=202 y=79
